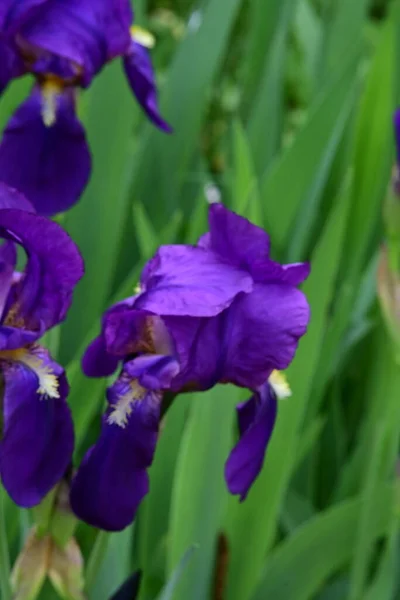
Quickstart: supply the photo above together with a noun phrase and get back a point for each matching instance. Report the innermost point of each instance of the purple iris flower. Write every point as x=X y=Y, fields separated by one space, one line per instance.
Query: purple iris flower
x=64 y=44
x=218 y=312
x=36 y=438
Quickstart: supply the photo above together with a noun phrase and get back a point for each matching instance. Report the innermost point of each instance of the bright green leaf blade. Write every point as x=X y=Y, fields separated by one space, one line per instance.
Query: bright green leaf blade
x=169 y=590
x=254 y=523
x=199 y=493
x=96 y=222
x=320 y=548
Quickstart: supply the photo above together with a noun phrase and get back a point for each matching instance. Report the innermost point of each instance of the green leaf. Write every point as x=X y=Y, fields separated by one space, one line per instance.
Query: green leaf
x=162 y=169
x=254 y=523
x=266 y=119
x=292 y=177
x=168 y=591
x=199 y=493
x=95 y=223
x=327 y=542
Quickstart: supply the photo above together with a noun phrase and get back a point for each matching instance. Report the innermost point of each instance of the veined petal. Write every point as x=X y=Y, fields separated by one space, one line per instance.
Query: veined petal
x=258 y=333
x=112 y=479
x=153 y=372
x=140 y=74
x=49 y=163
x=85 y=32
x=185 y=280
x=263 y=332
x=200 y=349
x=234 y=238
x=13 y=13
x=256 y=419
x=43 y=295
x=38 y=437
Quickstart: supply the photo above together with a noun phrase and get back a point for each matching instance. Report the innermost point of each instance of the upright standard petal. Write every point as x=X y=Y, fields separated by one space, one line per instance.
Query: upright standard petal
x=13 y=13
x=240 y=243
x=235 y=239
x=85 y=32
x=49 y=163
x=140 y=74
x=185 y=280
x=258 y=333
x=112 y=479
x=262 y=333
x=38 y=437
x=256 y=419
x=42 y=296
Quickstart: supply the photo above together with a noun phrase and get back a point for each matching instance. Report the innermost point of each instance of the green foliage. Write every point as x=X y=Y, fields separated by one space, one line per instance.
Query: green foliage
x=306 y=152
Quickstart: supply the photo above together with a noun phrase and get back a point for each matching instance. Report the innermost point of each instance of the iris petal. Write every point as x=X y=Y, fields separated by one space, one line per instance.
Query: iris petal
x=141 y=77
x=38 y=437
x=256 y=419
x=185 y=280
x=112 y=479
x=84 y=32
x=43 y=295
x=50 y=164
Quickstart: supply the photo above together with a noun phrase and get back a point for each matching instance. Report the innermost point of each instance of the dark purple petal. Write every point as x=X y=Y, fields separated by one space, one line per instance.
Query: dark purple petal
x=8 y=260
x=12 y=198
x=112 y=479
x=13 y=13
x=97 y=362
x=185 y=280
x=124 y=330
x=154 y=372
x=396 y=122
x=12 y=338
x=235 y=239
x=129 y=590
x=49 y=163
x=140 y=74
x=256 y=419
x=200 y=350
x=86 y=32
x=11 y=65
x=38 y=439
x=272 y=272
x=259 y=332
x=43 y=296
x=262 y=333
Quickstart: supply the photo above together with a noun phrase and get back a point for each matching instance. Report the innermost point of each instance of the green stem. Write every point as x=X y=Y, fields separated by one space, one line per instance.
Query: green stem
x=96 y=558
x=5 y=586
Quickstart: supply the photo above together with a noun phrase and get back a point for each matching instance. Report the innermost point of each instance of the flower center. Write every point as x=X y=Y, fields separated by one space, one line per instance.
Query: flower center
x=48 y=381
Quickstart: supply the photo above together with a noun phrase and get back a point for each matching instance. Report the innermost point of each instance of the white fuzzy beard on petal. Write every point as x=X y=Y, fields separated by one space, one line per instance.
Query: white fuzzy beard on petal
x=124 y=406
x=279 y=384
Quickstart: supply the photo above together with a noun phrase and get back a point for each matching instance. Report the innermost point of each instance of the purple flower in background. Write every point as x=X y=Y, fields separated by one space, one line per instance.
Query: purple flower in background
x=64 y=44
x=37 y=438
x=218 y=312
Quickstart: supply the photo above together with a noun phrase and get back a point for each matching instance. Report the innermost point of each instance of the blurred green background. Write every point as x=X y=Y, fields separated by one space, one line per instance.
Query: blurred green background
x=284 y=106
